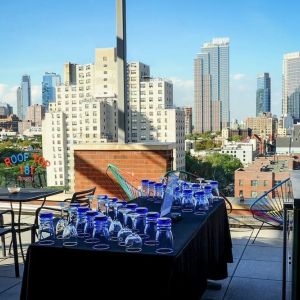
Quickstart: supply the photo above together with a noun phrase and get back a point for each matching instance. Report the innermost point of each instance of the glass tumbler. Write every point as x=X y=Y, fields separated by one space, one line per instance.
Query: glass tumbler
x=46 y=228
x=187 y=204
x=164 y=236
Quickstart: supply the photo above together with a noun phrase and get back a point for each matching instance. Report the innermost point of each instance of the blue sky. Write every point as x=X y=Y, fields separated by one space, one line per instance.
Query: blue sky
x=36 y=37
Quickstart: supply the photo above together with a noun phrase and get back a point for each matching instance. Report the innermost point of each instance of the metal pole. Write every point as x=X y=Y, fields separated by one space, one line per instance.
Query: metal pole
x=122 y=71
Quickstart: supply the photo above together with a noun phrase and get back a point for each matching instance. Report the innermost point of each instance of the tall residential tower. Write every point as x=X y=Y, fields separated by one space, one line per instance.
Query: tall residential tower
x=291 y=84
x=24 y=96
x=211 y=80
x=263 y=94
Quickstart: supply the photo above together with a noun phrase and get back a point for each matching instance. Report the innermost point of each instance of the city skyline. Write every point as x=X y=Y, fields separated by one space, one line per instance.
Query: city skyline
x=250 y=53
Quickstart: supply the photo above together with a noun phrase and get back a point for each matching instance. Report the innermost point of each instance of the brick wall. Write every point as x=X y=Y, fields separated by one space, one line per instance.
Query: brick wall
x=90 y=167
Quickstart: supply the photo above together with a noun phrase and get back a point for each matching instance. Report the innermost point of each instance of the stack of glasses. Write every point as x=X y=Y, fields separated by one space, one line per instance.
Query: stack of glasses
x=126 y=224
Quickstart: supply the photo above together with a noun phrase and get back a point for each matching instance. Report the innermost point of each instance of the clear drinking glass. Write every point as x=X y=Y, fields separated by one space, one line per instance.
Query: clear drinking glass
x=115 y=225
x=101 y=202
x=62 y=222
x=140 y=221
x=215 y=189
x=133 y=242
x=81 y=220
x=158 y=192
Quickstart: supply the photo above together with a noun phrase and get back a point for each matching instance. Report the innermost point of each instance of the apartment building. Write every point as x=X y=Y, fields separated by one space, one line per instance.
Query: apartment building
x=85 y=111
x=188 y=114
x=264 y=126
x=151 y=115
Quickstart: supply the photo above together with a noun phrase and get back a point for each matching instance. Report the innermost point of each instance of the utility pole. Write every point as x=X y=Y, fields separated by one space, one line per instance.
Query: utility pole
x=122 y=71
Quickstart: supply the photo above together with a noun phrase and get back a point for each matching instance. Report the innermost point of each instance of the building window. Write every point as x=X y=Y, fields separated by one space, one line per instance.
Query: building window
x=266 y=182
x=254 y=183
x=253 y=194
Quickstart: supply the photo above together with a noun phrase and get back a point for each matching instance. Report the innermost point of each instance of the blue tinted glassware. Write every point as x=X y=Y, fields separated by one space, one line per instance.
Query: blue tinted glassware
x=176 y=198
x=132 y=207
x=158 y=192
x=101 y=202
x=145 y=187
x=208 y=194
x=89 y=225
x=151 y=228
x=81 y=219
x=141 y=221
x=151 y=190
x=100 y=232
x=46 y=228
x=201 y=203
x=195 y=187
x=187 y=204
x=164 y=236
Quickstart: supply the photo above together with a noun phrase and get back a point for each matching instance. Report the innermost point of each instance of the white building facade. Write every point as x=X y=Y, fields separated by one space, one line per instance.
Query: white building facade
x=151 y=114
x=86 y=111
x=245 y=152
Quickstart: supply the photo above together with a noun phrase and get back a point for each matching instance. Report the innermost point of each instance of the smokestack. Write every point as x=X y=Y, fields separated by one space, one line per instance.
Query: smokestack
x=121 y=71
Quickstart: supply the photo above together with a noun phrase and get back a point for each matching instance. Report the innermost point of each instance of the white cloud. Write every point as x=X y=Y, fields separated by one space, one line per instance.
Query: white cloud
x=8 y=94
x=239 y=76
x=183 y=91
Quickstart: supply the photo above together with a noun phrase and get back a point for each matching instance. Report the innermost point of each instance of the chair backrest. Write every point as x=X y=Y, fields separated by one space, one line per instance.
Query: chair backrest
x=268 y=208
x=82 y=196
x=129 y=190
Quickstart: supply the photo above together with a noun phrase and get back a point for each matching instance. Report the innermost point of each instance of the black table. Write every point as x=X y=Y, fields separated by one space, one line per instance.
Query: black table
x=202 y=248
x=25 y=195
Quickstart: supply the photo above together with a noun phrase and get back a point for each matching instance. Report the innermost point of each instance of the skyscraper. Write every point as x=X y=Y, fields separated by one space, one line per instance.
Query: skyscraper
x=291 y=84
x=19 y=103
x=23 y=97
x=211 y=80
x=50 y=81
x=263 y=94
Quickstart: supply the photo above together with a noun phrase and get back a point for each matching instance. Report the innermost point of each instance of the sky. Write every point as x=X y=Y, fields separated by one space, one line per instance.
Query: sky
x=40 y=36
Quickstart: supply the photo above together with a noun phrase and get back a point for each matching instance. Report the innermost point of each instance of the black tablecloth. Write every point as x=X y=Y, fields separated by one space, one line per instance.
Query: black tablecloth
x=202 y=248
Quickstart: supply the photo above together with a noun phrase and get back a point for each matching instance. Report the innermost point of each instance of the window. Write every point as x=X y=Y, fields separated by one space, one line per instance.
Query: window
x=266 y=182
x=254 y=183
x=253 y=194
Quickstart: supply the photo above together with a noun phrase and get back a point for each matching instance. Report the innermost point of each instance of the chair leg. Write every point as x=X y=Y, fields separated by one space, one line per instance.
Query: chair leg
x=262 y=224
x=2 y=237
x=16 y=260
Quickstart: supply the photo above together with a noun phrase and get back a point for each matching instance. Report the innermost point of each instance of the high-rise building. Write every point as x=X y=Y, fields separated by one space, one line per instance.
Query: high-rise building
x=263 y=94
x=291 y=84
x=151 y=114
x=5 y=109
x=23 y=97
x=211 y=92
x=188 y=120
x=35 y=114
x=50 y=81
x=85 y=111
x=19 y=103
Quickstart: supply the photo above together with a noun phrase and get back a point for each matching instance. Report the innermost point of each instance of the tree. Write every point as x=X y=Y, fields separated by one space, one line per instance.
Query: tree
x=220 y=167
